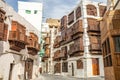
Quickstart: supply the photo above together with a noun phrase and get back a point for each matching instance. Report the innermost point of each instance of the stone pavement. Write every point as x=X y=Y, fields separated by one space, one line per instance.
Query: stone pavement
x=59 y=77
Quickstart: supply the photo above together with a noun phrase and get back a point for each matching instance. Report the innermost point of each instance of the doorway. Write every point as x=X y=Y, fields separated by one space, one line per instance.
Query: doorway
x=72 y=69
x=28 y=68
x=10 y=71
x=95 y=66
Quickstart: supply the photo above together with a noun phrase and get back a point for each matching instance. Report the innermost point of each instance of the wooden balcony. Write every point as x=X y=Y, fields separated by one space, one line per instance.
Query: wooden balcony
x=69 y=35
x=78 y=45
x=93 y=25
x=17 y=40
x=63 y=37
x=57 y=42
x=78 y=12
x=47 y=53
x=3 y=31
x=63 y=53
x=33 y=45
x=56 y=55
x=77 y=29
x=63 y=23
x=2 y=15
x=71 y=18
x=47 y=40
x=71 y=46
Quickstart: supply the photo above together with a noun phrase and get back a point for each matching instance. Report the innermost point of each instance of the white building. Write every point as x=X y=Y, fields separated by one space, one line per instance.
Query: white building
x=13 y=60
x=32 y=12
x=79 y=53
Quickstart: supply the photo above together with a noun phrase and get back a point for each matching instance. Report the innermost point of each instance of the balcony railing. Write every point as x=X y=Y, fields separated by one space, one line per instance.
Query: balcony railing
x=47 y=53
x=63 y=53
x=57 y=55
x=93 y=25
x=17 y=40
x=77 y=29
x=17 y=36
x=47 y=40
x=57 y=42
x=78 y=45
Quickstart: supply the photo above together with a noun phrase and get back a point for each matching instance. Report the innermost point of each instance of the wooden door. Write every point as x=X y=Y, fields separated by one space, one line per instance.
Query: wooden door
x=10 y=72
x=95 y=66
x=72 y=69
x=28 y=68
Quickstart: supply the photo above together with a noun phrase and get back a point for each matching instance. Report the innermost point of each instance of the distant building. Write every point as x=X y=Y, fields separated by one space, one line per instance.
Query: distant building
x=32 y=12
x=48 y=65
x=110 y=39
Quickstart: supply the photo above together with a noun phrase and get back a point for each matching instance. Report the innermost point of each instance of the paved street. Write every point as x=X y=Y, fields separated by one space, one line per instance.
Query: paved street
x=57 y=77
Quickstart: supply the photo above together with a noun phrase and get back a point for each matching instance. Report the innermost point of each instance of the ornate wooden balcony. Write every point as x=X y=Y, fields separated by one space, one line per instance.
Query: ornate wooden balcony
x=63 y=23
x=77 y=29
x=56 y=55
x=33 y=46
x=47 y=40
x=63 y=53
x=78 y=45
x=17 y=40
x=3 y=31
x=93 y=25
x=71 y=49
x=47 y=53
x=2 y=15
x=63 y=37
x=69 y=35
x=78 y=12
x=57 y=42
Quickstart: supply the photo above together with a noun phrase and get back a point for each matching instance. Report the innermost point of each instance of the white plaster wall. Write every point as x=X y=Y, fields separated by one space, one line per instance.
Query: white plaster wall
x=34 y=19
x=6 y=60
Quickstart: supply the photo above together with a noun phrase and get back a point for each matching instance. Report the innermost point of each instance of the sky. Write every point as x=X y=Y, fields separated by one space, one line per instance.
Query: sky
x=52 y=8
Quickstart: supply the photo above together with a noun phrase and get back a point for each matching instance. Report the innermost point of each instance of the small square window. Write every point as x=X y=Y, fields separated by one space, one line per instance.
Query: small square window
x=35 y=11
x=28 y=11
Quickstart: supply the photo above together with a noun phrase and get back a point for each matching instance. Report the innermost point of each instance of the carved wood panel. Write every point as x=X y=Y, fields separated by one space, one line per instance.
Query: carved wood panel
x=63 y=53
x=71 y=49
x=91 y=10
x=71 y=18
x=78 y=12
x=69 y=34
x=78 y=45
x=47 y=40
x=93 y=25
x=63 y=23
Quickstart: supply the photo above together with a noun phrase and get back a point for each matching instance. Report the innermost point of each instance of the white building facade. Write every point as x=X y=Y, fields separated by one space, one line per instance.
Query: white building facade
x=15 y=57
x=32 y=12
x=84 y=58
